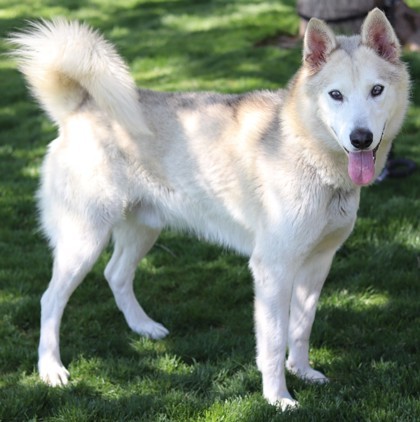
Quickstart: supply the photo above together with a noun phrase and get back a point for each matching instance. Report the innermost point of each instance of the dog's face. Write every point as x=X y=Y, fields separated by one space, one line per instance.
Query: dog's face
x=359 y=88
x=357 y=100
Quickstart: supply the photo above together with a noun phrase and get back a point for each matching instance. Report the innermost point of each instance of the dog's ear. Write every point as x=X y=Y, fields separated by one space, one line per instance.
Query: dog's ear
x=318 y=43
x=378 y=34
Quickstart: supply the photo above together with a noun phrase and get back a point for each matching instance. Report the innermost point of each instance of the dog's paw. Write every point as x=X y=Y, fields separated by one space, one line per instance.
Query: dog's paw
x=281 y=399
x=308 y=374
x=151 y=329
x=283 y=403
x=53 y=373
x=287 y=404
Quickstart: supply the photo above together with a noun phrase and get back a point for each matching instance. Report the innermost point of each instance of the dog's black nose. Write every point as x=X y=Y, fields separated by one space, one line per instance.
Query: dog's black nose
x=361 y=138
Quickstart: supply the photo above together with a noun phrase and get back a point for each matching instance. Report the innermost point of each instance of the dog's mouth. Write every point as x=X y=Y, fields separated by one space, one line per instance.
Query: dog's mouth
x=361 y=165
x=373 y=151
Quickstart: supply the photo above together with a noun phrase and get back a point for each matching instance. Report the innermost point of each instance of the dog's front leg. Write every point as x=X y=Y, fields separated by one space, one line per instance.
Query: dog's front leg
x=273 y=288
x=306 y=290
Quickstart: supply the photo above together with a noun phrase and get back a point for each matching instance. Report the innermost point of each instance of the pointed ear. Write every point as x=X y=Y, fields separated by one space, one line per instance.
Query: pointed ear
x=378 y=34
x=318 y=43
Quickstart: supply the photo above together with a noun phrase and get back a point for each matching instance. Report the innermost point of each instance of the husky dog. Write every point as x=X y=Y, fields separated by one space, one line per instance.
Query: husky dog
x=275 y=175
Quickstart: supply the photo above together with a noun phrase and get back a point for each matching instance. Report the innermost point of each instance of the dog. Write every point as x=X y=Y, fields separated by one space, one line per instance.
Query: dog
x=274 y=175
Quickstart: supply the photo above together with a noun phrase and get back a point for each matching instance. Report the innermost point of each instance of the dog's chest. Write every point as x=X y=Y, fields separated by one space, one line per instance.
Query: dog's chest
x=340 y=216
x=342 y=208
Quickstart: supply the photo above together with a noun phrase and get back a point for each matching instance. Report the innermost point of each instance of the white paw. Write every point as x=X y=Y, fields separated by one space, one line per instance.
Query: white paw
x=287 y=404
x=53 y=372
x=308 y=374
x=151 y=329
x=281 y=399
x=283 y=403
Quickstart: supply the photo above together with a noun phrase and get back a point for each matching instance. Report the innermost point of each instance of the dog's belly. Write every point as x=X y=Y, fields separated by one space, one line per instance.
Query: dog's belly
x=206 y=221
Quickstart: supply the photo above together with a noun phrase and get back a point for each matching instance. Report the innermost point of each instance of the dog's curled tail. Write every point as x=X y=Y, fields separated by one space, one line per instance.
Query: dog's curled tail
x=66 y=62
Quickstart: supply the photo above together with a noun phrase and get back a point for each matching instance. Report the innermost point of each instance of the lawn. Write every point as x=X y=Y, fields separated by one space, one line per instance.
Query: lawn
x=366 y=337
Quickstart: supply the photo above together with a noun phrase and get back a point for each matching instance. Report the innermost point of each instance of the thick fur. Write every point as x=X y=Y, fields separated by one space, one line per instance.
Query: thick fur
x=265 y=173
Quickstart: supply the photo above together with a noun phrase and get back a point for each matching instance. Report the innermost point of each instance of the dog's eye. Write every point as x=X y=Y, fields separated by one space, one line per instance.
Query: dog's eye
x=336 y=95
x=377 y=90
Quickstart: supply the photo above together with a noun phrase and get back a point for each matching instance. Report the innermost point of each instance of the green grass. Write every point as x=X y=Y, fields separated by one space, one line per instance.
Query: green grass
x=366 y=335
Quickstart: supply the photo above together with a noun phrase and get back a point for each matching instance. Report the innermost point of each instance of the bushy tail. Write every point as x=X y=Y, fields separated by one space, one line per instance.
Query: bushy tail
x=65 y=62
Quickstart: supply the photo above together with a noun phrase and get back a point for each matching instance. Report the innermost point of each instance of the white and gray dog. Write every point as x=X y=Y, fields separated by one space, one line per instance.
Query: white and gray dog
x=275 y=175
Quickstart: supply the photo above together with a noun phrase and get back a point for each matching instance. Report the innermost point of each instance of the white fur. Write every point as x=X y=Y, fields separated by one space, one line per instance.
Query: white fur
x=69 y=58
x=264 y=173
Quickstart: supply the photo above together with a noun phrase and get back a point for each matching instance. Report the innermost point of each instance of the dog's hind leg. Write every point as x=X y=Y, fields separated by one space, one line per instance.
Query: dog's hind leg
x=132 y=242
x=76 y=248
x=306 y=290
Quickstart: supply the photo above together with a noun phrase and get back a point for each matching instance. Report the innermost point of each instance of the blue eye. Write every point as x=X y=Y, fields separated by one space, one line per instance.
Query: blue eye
x=377 y=90
x=336 y=95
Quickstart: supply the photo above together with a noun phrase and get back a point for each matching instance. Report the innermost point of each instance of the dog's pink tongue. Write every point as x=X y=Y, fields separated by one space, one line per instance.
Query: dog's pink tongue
x=361 y=167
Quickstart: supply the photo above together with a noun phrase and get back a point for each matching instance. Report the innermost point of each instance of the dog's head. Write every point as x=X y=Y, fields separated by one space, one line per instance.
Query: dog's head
x=360 y=90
